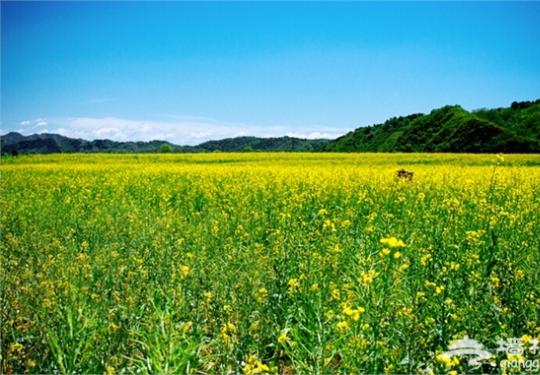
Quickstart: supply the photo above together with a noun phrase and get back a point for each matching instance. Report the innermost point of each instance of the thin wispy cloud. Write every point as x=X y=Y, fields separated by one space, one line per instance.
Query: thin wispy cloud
x=189 y=130
x=40 y=122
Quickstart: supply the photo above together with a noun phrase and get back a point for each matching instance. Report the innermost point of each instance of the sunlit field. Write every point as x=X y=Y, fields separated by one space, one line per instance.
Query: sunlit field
x=267 y=262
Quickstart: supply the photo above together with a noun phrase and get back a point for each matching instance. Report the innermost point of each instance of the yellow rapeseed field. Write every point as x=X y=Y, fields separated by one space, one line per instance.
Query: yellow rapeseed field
x=266 y=262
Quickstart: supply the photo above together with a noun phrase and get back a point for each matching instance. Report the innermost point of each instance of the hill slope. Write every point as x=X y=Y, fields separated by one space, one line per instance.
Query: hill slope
x=47 y=143
x=451 y=129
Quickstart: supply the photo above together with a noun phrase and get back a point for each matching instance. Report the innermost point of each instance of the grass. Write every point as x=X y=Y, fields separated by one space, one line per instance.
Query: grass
x=265 y=262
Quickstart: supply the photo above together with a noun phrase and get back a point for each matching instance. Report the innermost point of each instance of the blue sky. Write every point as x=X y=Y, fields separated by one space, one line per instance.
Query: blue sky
x=188 y=72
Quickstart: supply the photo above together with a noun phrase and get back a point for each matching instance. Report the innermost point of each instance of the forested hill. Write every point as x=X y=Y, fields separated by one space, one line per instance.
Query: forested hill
x=264 y=144
x=451 y=129
x=15 y=143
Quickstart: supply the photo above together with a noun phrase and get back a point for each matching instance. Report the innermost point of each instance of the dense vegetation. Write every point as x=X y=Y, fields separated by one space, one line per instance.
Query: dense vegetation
x=15 y=143
x=264 y=144
x=451 y=129
x=53 y=143
x=267 y=262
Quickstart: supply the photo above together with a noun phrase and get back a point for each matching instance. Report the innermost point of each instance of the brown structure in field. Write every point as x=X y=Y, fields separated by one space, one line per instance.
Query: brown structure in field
x=405 y=175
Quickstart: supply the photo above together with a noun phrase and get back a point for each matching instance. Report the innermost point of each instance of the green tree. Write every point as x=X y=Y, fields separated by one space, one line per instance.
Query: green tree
x=165 y=148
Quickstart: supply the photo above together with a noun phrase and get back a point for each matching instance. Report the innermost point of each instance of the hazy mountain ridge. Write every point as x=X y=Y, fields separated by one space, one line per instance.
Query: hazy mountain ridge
x=447 y=129
x=14 y=143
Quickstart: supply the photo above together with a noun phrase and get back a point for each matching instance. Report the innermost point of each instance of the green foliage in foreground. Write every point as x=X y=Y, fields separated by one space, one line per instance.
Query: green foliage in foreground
x=318 y=263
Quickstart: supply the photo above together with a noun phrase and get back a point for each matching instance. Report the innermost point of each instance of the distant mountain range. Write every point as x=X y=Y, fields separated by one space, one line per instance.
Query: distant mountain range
x=447 y=129
x=15 y=143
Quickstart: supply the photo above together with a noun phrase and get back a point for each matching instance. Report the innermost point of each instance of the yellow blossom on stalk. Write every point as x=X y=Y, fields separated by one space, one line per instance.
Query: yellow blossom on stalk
x=208 y=295
x=314 y=287
x=392 y=242
x=15 y=347
x=454 y=266
x=228 y=330
x=439 y=289
x=495 y=281
x=429 y=284
x=397 y=255
x=335 y=293
x=255 y=366
x=354 y=314
x=404 y=266
x=342 y=325
x=82 y=257
x=293 y=284
x=328 y=224
x=282 y=338
x=447 y=361
x=336 y=249
x=367 y=277
x=385 y=252
x=424 y=260
x=261 y=295
x=186 y=327
x=526 y=339
x=184 y=270
x=323 y=211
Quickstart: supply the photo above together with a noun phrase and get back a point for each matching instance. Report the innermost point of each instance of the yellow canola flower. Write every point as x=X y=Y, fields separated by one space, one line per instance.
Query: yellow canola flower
x=184 y=270
x=282 y=338
x=447 y=361
x=293 y=284
x=354 y=314
x=367 y=277
x=526 y=339
x=255 y=366
x=392 y=242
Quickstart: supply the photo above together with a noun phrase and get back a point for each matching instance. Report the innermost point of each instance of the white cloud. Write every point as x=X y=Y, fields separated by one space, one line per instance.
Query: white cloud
x=24 y=123
x=178 y=130
x=38 y=123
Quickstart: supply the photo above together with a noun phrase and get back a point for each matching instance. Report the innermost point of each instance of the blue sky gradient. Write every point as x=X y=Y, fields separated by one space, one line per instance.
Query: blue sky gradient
x=188 y=72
